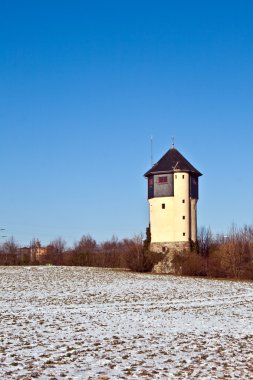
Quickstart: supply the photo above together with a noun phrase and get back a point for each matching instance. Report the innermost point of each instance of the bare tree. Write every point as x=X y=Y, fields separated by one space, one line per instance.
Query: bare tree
x=10 y=251
x=205 y=240
x=236 y=252
x=86 y=243
x=137 y=257
x=111 y=251
x=84 y=250
x=56 y=250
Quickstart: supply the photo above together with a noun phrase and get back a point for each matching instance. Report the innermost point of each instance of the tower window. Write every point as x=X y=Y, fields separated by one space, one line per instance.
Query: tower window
x=183 y=233
x=183 y=217
x=183 y=201
x=163 y=205
x=163 y=179
x=183 y=176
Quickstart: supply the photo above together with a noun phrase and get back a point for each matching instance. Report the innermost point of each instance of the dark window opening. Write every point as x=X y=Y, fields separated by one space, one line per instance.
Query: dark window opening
x=163 y=179
x=183 y=233
x=183 y=217
x=183 y=201
x=183 y=176
x=163 y=205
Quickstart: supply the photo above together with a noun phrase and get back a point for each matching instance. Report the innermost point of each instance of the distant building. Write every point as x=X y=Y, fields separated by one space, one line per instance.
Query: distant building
x=37 y=252
x=173 y=195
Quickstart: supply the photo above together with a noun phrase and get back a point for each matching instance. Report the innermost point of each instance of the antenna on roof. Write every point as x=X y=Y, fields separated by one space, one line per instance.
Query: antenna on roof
x=173 y=142
x=151 y=150
x=175 y=166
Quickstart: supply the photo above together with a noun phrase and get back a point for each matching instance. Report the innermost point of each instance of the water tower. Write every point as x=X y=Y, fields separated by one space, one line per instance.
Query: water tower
x=173 y=195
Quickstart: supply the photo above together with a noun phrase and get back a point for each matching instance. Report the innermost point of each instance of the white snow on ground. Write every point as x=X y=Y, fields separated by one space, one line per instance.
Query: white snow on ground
x=88 y=323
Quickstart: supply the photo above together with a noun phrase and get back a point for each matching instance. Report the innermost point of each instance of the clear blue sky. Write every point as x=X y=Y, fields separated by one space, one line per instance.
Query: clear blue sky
x=83 y=86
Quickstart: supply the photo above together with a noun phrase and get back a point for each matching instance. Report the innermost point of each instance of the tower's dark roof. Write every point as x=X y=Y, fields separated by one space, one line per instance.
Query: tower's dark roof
x=172 y=161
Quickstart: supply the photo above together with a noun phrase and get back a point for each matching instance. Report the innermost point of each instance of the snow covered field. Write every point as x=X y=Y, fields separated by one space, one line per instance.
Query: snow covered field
x=87 y=323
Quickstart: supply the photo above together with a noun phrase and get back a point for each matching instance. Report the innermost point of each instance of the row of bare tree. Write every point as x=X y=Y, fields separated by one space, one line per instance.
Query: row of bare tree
x=115 y=253
x=228 y=256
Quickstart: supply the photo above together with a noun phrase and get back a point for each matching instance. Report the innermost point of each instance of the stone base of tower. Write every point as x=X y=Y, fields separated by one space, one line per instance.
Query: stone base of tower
x=169 y=250
x=166 y=247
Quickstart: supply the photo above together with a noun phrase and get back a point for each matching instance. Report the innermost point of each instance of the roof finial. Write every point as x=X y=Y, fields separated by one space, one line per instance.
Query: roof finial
x=173 y=142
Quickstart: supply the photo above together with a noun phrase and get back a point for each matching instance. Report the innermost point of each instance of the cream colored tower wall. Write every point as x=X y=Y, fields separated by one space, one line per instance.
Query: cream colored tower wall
x=181 y=206
x=194 y=219
x=172 y=223
x=161 y=220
